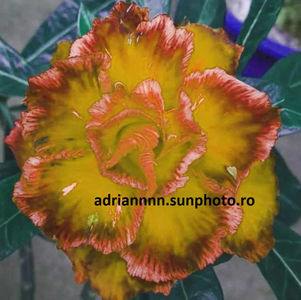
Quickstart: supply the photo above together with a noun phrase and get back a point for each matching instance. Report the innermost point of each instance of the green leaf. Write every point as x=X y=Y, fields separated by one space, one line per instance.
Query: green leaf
x=209 y=12
x=15 y=228
x=141 y=3
x=8 y=168
x=166 y=6
x=14 y=72
x=287 y=74
x=261 y=18
x=282 y=267
x=290 y=192
x=60 y=25
x=223 y=258
x=277 y=97
x=157 y=7
x=87 y=293
x=6 y=116
x=85 y=19
x=198 y=286
x=17 y=108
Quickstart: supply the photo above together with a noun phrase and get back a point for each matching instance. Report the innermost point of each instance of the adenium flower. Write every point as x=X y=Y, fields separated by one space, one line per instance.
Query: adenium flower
x=139 y=107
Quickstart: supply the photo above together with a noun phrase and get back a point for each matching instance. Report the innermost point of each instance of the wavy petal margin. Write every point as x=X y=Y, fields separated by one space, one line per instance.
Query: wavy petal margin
x=159 y=255
x=254 y=237
x=58 y=194
x=241 y=125
x=212 y=49
x=108 y=275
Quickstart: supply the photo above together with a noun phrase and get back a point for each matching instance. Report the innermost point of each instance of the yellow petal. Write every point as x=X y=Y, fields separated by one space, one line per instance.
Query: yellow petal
x=58 y=102
x=173 y=241
x=62 y=51
x=212 y=49
x=139 y=144
x=154 y=50
x=58 y=194
x=108 y=275
x=254 y=237
x=238 y=120
x=22 y=149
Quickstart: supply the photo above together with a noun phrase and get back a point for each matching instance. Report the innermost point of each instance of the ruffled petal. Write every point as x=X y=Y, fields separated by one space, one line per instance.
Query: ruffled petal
x=129 y=15
x=174 y=241
x=183 y=142
x=21 y=149
x=137 y=143
x=58 y=102
x=240 y=124
x=254 y=237
x=212 y=49
x=123 y=20
x=58 y=194
x=154 y=50
x=124 y=130
x=108 y=275
x=62 y=51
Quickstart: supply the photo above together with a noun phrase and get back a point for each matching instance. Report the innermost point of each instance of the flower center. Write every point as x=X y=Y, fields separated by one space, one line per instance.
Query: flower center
x=138 y=143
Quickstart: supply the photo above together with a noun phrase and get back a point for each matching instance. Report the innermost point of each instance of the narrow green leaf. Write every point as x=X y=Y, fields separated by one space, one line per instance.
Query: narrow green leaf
x=87 y=293
x=8 y=168
x=15 y=228
x=166 y=6
x=6 y=115
x=14 y=72
x=60 y=25
x=282 y=267
x=223 y=258
x=209 y=12
x=157 y=7
x=290 y=192
x=85 y=19
x=18 y=108
x=200 y=285
x=7 y=123
x=141 y=3
x=287 y=74
x=282 y=98
x=261 y=18
x=141 y=297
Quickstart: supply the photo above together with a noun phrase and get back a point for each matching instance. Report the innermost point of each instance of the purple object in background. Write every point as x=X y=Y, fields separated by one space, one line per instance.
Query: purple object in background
x=266 y=55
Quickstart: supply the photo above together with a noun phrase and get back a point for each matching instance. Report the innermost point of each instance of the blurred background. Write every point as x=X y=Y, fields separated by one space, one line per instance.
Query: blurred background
x=19 y=19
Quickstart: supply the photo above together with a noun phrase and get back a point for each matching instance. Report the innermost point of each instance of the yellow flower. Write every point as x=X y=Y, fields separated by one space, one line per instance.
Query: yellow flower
x=141 y=108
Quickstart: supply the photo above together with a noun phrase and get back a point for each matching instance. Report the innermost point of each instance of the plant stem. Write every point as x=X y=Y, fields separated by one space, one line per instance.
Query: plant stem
x=27 y=272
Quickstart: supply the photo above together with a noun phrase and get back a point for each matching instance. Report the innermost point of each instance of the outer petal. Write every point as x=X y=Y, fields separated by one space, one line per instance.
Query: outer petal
x=238 y=120
x=129 y=15
x=76 y=78
x=173 y=242
x=108 y=275
x=212 y=49
x=62 y=51
x=58 y=194
x=58 y=102
x=22 y=149
x=155 y=50
x=254 y=237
